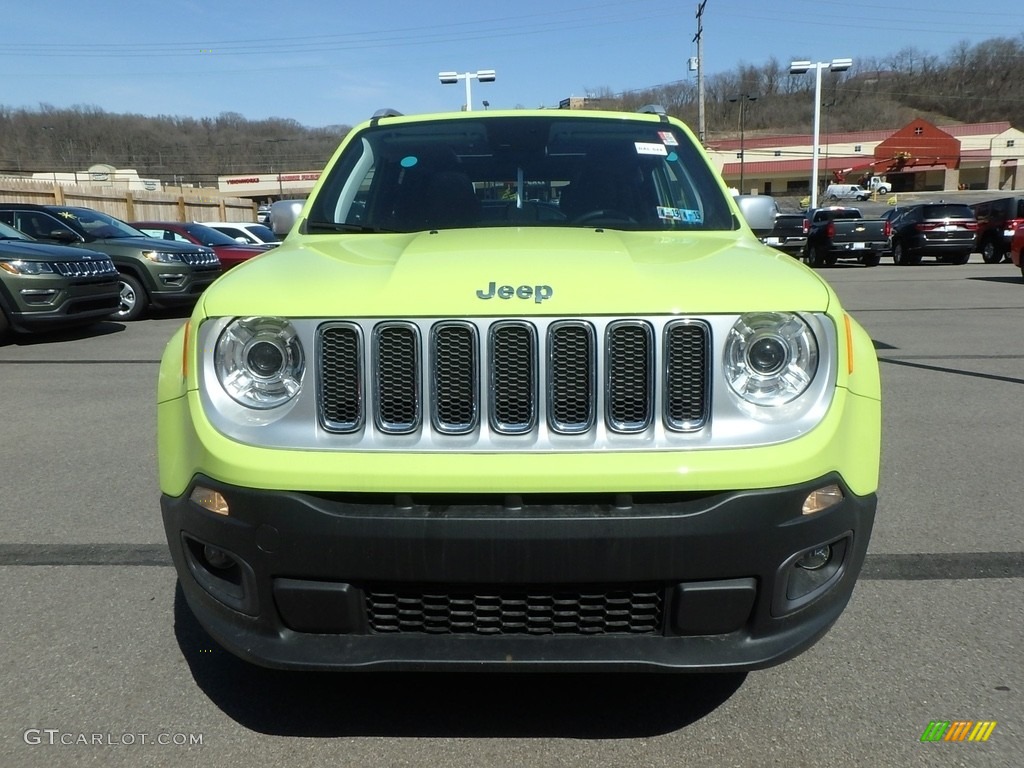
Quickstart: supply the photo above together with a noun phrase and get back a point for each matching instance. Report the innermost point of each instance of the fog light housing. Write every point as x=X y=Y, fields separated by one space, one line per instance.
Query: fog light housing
x=809 y=574
x=815 y=558
x=217 y=558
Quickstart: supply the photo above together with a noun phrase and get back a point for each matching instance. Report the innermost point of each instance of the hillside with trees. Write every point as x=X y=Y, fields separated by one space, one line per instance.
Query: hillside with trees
x=969 y=84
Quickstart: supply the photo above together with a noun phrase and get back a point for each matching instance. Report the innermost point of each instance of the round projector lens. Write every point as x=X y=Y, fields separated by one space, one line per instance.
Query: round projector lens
x=264 y=358
x=767 y=355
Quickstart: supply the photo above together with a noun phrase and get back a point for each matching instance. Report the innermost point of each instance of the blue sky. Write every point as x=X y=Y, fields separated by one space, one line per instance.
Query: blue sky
x=325 y=62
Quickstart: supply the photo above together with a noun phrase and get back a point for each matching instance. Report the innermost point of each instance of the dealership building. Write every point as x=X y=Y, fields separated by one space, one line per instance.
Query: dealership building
x=918 y=157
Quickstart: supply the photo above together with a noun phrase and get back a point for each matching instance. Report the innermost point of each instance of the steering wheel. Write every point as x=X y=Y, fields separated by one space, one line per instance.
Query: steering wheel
x=604 y=213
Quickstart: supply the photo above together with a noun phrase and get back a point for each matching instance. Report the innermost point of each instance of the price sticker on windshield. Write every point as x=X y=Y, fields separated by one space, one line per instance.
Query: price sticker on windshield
x=650 y=148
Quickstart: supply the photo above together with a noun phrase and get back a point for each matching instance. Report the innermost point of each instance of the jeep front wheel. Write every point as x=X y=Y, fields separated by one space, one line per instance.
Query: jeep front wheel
x=133 y=299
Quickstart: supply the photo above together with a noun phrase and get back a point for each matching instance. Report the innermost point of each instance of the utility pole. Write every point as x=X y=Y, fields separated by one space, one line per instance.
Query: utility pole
x=699 y=38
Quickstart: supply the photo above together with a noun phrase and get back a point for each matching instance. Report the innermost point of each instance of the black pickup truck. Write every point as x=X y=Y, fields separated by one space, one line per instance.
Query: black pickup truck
x=788 y=234
x=843 y=233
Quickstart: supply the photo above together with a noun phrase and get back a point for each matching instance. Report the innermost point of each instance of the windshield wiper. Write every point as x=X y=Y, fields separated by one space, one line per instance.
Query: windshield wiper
x=329 y=226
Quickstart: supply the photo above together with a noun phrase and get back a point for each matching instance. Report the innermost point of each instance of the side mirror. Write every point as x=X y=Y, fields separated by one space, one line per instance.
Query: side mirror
x=759 y=212
x=284 y=214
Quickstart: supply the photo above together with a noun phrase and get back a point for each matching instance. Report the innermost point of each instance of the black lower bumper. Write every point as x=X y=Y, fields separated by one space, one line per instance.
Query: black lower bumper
x=692 y=582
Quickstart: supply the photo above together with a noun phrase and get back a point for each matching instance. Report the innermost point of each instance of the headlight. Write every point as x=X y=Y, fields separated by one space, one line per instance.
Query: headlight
x=19 y=267
x=162 y=257
x=259 y=361
x=770 y=357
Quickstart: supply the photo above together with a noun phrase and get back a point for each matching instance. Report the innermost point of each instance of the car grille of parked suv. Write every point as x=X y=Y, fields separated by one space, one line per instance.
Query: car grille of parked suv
x=201 y=259
x=450 y=375
x=93 y=268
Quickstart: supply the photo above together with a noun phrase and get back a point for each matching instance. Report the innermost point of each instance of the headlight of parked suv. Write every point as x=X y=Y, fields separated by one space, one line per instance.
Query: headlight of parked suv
x=770 y=357
x=259 y=361
x=162 y=257
x=19 y=267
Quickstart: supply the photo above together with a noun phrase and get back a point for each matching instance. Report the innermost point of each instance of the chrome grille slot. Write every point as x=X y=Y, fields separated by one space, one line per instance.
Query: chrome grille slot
x=396 y=365
x=686 y=375
x=571 y=370
x=629 y=361
x=85 y=268
x=456 y=382
x=341 y=377
x=478 y=383
x=513 y=366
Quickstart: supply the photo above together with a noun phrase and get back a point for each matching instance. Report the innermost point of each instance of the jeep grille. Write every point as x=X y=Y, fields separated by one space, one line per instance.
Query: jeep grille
x=94 y=268
x=514 y=376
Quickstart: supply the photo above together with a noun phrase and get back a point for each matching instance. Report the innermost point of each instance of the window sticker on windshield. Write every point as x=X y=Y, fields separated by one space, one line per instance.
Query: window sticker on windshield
x=650 y=148
x=668 y=138
x=689 y=215
x=409 y=161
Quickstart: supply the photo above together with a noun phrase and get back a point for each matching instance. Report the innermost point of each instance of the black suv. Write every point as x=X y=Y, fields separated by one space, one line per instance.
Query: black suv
x=159 y=273
x=946 y=231
x=52 y=286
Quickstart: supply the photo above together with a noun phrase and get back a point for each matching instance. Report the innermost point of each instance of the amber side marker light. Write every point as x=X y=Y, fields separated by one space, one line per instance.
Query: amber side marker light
x=849 y=343
x=207 y=498
x=822 y=498
x=184 y=351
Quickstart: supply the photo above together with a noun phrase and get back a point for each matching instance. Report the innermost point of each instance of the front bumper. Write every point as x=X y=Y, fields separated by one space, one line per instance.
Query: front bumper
x=176 y=287
x=687 y=581
x=55 y=305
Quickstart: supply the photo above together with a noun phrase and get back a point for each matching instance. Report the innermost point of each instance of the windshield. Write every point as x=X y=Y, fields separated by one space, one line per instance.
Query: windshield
x=513 y=171
x=94 y=224
x=208 y=235
x=10 y=233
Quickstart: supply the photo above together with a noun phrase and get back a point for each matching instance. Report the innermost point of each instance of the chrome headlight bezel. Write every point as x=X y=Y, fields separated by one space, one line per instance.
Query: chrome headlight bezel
x=259 y=362
x=22 y=267
x=770 y=358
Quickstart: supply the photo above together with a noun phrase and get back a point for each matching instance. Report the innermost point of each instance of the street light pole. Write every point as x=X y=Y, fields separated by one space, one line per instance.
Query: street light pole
x=450 y=78
x=743 y=98
x=802 y=67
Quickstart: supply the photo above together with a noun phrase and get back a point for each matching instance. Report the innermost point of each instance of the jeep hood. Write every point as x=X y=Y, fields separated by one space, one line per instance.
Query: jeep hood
x=529 y=271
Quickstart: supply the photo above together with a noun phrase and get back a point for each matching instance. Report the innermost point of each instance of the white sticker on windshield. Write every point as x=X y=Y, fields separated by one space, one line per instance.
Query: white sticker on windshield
x=650 y=148
x=668 y=138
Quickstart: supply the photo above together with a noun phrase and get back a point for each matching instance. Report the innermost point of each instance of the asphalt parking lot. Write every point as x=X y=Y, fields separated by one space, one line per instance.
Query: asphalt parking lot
x=105 y=666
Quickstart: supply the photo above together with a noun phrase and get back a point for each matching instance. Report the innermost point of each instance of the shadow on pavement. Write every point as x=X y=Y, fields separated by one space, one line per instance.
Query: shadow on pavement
x=464 y=705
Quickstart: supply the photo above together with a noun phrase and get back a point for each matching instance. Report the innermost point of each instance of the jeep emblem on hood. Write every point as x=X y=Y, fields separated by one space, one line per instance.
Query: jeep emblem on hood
x=537 y=292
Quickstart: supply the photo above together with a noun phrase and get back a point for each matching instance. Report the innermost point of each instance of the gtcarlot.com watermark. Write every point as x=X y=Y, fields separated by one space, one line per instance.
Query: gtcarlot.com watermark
x=58 y=737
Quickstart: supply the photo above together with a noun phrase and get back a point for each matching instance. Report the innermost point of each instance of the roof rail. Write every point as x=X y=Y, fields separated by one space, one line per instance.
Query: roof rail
x=652 y=109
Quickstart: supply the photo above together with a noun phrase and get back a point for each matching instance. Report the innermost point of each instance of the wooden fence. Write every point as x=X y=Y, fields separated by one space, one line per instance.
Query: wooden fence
x=186 y=205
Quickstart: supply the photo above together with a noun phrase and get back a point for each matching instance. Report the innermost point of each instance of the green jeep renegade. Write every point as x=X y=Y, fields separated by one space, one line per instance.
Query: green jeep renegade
x=521 y=389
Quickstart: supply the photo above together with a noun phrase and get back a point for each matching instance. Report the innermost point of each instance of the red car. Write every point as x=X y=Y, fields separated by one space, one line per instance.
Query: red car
x=1016 y=246
x=230 y=252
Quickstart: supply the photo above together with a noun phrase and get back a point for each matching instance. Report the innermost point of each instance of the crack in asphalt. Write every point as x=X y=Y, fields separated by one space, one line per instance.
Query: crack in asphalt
x=924 y=566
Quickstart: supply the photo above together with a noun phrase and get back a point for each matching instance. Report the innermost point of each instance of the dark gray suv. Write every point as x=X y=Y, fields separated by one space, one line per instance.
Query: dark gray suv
x=52 y=286
x=158 y=273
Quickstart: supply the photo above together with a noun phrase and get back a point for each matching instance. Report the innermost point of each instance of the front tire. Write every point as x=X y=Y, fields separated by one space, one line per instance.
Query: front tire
x=134 y=300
